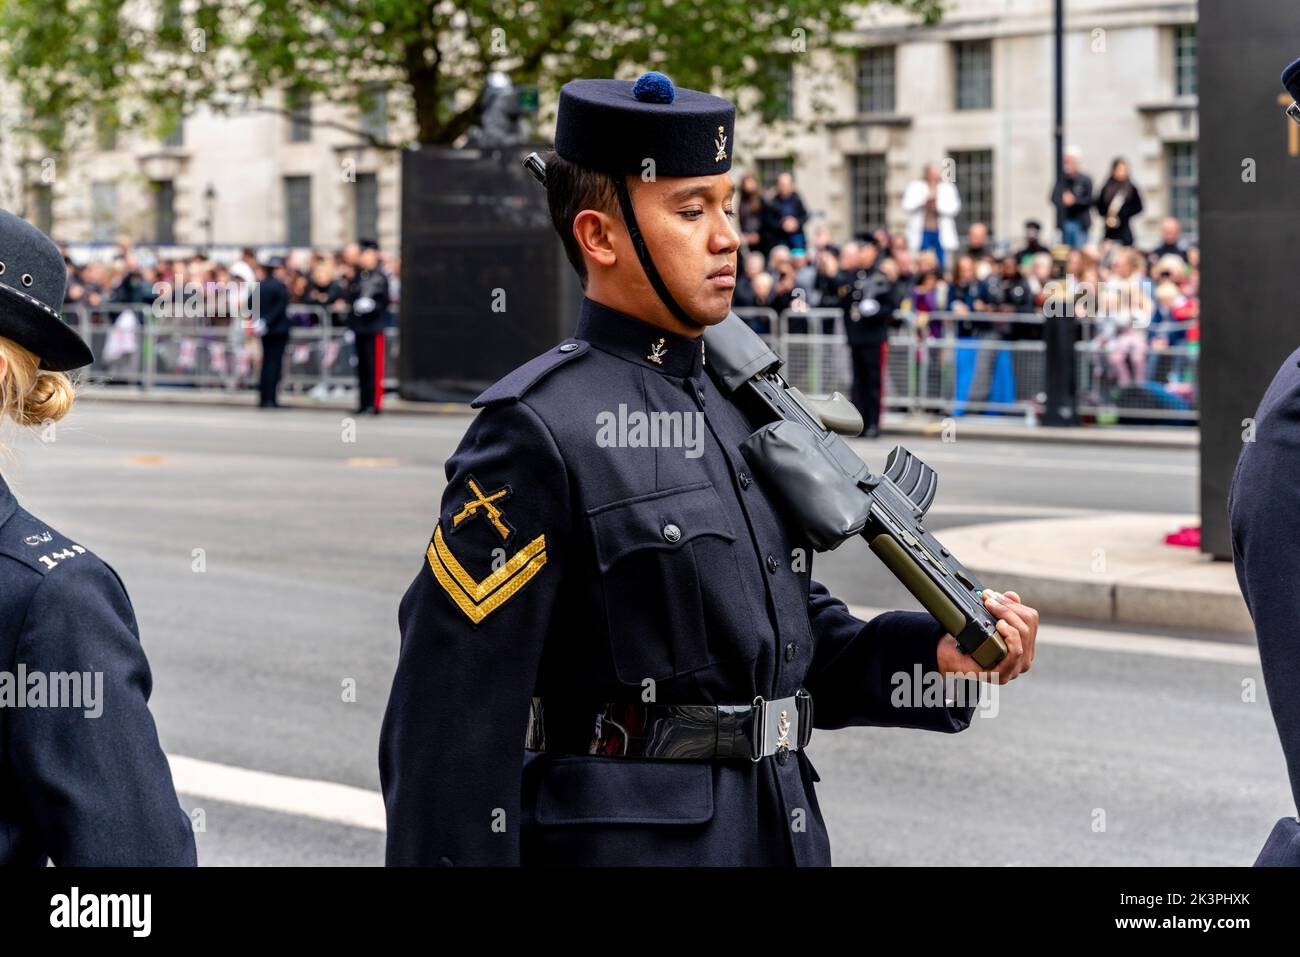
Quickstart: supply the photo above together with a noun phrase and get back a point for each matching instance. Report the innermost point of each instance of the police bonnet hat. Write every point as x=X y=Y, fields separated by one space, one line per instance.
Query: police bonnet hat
x=33 y=280
x=616 y=125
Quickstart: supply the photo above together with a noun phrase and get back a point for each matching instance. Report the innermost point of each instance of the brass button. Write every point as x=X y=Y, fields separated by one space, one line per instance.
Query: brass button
x=672 y=533
x=789 y=652
x=568 y=347
x=772 y=564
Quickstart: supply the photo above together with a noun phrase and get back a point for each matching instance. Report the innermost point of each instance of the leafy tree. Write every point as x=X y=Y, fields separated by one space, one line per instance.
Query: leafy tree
x=144 y=62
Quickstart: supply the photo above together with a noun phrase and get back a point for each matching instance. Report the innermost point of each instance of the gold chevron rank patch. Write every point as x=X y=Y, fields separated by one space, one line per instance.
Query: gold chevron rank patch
x=478 y=599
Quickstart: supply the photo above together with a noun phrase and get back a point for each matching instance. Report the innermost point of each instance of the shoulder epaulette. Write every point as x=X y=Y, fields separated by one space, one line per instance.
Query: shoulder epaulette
x=514 y=384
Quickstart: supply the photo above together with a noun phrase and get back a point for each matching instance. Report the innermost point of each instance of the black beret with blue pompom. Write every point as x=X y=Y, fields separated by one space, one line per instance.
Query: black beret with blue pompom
x=617 y=125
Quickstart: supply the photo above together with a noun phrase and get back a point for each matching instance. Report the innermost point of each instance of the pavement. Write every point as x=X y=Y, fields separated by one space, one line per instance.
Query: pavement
x=272 y=660
x=995 y=428
x=1113 y=568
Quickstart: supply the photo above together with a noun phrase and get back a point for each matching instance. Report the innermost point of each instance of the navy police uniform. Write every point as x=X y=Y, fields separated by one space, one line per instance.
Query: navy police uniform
x=82 y=777
x=578 y=562
x=1264 y=511
x=76 y=787
x=1264 y=515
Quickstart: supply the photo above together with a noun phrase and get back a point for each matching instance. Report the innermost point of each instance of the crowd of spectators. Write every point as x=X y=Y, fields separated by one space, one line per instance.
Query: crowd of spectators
x=1132 y=303
x=104 y=283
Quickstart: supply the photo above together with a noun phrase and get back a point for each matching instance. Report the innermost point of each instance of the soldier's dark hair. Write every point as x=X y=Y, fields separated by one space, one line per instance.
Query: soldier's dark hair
x=569 y=190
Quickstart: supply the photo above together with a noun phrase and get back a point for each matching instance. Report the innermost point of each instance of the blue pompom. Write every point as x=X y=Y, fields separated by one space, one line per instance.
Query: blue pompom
x=654 y=87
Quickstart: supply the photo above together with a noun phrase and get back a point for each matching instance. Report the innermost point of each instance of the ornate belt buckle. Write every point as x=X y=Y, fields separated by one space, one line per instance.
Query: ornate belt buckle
x=776 y=727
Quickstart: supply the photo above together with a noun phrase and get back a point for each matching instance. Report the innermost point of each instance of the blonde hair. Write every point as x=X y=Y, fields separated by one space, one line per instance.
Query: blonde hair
x=29 y=394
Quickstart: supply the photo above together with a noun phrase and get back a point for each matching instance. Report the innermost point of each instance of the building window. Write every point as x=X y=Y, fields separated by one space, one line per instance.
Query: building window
x=867 y=193
x=1183 y=174
x=1185 y=60
x=974 y=74
x=767 y=169
x=374 y=110
x=175 y=137
x=298 y=103
x=43 y=207
x=974 y=171
x=105 y=130
x=876 y=80
x=780 y=106
x=297 y=210
x=103 y=212
x=164 y=211
x=173 y=18
x=365 y=207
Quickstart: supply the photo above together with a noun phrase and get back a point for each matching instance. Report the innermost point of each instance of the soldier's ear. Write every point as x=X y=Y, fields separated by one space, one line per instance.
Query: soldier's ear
x=595 y=233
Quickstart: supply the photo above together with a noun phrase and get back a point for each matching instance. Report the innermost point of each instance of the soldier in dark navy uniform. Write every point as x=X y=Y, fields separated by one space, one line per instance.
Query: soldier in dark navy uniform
x=869 y=299
x=368 y=301
x=1264 y=515
x=614 y=651
x=83 y=780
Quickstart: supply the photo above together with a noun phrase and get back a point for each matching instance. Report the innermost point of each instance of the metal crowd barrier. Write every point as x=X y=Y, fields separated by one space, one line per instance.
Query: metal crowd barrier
x=135 y=345
x=1150 y=374
x=941 y=362
x=952 y=363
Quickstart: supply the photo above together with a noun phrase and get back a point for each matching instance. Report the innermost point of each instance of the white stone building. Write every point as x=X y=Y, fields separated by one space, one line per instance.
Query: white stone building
x=244 y=177
x=976 y=89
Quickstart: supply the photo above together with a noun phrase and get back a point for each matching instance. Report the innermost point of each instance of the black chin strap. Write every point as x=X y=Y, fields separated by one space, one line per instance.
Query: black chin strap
x=643 y=253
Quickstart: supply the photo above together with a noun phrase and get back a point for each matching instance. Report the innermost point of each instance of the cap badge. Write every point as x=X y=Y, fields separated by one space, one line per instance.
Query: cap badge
x=657 y=352
x=721 y=144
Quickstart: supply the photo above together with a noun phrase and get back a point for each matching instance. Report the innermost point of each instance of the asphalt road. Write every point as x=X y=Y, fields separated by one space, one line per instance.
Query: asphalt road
x=266 y=555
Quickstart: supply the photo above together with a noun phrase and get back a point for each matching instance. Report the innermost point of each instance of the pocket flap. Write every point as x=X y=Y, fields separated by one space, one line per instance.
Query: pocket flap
x=643 y=522
x=577 y=789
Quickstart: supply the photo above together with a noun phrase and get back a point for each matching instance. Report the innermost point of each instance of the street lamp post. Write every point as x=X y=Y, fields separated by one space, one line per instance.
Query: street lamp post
x=210 y=208
x=1059 y=126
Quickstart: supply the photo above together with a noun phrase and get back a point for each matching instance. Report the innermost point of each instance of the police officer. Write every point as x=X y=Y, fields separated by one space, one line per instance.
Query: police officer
x=367 y=297
x=869 y=299
x=613 y=651
x=1264 y=513
x=83 y=779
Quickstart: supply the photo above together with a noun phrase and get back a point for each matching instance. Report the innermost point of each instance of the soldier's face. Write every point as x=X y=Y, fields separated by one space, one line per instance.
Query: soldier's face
x=688 y=224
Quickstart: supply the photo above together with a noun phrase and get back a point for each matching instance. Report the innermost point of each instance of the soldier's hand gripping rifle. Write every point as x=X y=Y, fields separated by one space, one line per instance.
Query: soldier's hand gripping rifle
x=833 y=496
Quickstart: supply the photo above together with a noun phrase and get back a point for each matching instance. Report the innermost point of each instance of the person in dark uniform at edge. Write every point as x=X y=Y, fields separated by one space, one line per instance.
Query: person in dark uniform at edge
x=273 y=326
x=583 y=644
x=1264 y=516
x=367 y=298
x=83 y=779
x=869 y=299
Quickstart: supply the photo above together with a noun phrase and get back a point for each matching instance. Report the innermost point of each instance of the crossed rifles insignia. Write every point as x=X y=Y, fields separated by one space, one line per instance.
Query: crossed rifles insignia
x=479 y=598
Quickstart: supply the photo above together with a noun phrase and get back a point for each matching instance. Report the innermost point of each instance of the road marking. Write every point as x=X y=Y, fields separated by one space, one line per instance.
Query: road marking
x=1020 y=511
x=304 y=797
x=1013 y=462
x=1129 y=643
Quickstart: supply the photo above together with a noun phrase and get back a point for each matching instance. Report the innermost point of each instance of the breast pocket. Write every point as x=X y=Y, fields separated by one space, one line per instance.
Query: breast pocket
x=675 y=600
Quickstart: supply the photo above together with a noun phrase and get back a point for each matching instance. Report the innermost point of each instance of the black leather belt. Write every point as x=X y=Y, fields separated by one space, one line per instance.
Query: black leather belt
x=640 y=730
